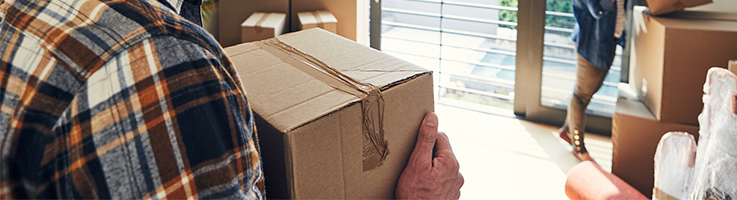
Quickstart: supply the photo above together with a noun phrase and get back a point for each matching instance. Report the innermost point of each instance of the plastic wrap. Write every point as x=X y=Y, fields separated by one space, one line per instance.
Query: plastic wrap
x=715 y=171
x=674 y=162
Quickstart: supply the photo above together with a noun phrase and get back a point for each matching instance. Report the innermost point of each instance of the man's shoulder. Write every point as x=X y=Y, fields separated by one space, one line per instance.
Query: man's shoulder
x=86 y=34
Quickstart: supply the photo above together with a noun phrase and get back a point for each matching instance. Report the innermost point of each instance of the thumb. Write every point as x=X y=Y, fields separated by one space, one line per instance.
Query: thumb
x=426 y=138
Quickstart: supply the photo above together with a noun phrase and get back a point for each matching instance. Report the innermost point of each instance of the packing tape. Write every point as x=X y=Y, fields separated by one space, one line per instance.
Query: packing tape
x=318 y=19
x=261 y=21
x=661 y=195
x=734 y=103
x=726 y=72
x=375 y=147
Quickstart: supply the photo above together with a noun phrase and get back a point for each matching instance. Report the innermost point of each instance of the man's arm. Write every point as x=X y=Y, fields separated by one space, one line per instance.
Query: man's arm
x=430 y=174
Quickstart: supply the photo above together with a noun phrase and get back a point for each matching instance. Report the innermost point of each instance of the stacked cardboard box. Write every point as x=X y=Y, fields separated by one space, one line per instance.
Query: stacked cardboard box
x=671 y=56
x=313 y=122
x=635 y=136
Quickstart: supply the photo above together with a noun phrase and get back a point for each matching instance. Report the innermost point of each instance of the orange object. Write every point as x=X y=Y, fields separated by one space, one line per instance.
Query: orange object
x=588 y=181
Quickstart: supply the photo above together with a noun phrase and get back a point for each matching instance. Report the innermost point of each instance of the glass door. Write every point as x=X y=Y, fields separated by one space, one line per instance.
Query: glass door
x=548 y=68
x=470 y=44
x=498 y=56
x=559 y=64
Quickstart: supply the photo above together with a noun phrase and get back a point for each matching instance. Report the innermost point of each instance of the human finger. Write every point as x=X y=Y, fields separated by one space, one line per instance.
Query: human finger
x=443 y=143
x=426 y=138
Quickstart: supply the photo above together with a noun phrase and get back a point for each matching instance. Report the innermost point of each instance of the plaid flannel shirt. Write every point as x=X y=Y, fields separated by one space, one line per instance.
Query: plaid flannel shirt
x=119 y=99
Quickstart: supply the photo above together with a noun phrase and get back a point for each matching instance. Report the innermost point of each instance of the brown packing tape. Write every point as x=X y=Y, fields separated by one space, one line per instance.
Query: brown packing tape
x=318 y=19
x=659 y=194
x=734 y=103
x=261 y=21
x=375 y=147
x=689 y=158
x=732 y=66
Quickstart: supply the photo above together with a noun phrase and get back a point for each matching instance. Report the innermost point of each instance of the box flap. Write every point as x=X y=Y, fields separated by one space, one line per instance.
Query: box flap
x=264 y=20
x=358 y=61
x=697 y=24
x=701 y=15
x=316 y=17
x=289 y=97
x=665 y=6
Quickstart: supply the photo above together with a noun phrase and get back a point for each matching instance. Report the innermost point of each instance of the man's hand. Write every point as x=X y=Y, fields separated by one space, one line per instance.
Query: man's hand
x=432 y=170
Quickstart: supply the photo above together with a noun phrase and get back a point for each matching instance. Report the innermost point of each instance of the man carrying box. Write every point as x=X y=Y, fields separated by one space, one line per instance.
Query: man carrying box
x=128 y=100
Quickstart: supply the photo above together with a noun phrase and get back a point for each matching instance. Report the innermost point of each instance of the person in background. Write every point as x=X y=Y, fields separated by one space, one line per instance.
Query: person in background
x=132 y=99
x=599 y=29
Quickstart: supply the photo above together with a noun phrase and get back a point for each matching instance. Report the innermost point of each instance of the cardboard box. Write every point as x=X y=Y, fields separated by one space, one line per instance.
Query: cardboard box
x=702 y=15
x=671 y=58
x=318 y=19
x=635 y=136
x=231 y=13
x=260 y=26
x=732 y=66
x=352 y=15
x=311 y=125
x=658 y=7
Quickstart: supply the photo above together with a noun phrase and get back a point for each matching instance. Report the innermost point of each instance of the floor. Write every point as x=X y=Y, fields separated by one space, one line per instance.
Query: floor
x=503 y=157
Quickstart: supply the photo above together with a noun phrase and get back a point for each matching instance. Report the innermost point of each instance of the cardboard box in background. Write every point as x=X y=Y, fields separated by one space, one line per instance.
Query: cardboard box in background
x=732 y=66
x=344 y=11
x=671 y=58
x=318 y=19
x=261 y=26
x=658 y=7
x=310 y=133
x=635 y=136
x=231 y=13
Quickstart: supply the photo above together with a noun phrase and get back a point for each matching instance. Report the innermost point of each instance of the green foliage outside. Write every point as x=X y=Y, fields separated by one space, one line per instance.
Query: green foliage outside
x=207 y=7
x=563 y=6
x=506 y=15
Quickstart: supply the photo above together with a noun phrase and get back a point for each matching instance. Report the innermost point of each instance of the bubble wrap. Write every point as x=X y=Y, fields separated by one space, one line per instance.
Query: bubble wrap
x=674 y=162
x=713 y=172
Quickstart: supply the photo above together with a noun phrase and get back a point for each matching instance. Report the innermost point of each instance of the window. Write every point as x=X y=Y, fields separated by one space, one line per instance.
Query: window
x=467 y=43
x=559 y=64
x=472 y=45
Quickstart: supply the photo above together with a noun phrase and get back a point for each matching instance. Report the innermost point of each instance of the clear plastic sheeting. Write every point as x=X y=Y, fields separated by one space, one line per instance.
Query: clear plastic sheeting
x=674 y=162
x=713 y=174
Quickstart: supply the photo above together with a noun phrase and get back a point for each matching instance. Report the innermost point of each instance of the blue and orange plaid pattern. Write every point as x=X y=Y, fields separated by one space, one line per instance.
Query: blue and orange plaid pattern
x=119 y=99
